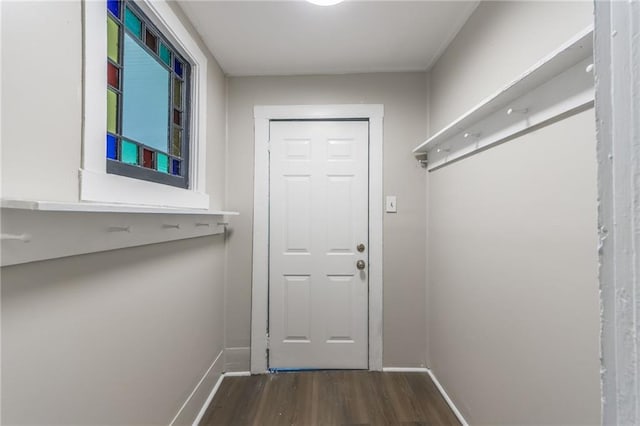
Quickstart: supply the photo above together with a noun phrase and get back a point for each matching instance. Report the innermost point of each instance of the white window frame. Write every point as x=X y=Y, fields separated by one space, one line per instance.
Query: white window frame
x=263 y=114
x=96 y=184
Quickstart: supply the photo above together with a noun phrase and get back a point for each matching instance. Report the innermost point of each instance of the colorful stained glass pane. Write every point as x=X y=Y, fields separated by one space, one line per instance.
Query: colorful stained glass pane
x=147 y=158
x=145 y=84
x=151 y=41
x=162 y=163
x=129 y=152
x=112 y=111
x=112 y=75
x=177 y=93
x=132 y=22
x=112 y=147
x=177 y=116
x=176 y=142
x=165 y=54
x=175 y=167
x=177 y=67
x=114 y=7
x=112 y=39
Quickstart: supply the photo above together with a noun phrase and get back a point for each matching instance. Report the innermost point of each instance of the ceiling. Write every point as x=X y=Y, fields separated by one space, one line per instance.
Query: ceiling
x=295 y=37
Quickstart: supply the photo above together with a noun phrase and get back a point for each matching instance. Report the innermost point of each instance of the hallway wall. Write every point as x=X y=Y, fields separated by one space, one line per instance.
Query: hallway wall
x=513 y=291
x=404 y=244
x=118 y=337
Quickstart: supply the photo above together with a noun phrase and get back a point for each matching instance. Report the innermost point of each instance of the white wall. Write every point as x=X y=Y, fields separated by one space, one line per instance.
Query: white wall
x=119 y=337
x=513 y=292
x=500 y=41
x=404 y=244
x=41 y=99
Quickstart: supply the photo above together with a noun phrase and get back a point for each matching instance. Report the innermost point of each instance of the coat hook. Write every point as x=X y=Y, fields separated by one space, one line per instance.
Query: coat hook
x=119 y=229
x=202 y=224
x=25 y=238
x=171 y=226
x=511 y=111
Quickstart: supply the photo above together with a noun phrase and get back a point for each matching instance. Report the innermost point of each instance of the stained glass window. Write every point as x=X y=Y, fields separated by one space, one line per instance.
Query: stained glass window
x=147 y=105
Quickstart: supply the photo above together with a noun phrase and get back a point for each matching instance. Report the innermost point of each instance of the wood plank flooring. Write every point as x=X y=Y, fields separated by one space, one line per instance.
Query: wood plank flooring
x=329 y=398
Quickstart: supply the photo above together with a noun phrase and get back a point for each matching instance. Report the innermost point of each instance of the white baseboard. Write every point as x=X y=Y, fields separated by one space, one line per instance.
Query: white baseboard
x=405 y=369
x=191 y=409
x=237 y=373
x=206 y=404
x=444 y=394
x=196 y=422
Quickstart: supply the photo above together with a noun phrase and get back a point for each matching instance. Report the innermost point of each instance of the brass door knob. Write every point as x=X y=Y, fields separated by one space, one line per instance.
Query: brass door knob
x=360 y=264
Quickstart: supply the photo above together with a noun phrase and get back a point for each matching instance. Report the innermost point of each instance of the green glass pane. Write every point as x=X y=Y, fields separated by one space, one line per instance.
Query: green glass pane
x=165 y=54
x=129 y=152
x=133 y=23
x=162 y=163
x=176 y=142
x=145 y=86
x=112 y=40
x=177 y=93
x=112 y=111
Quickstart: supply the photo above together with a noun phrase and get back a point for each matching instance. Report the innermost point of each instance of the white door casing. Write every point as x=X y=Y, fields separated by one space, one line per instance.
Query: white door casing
x=260 y=264
x=318 y=216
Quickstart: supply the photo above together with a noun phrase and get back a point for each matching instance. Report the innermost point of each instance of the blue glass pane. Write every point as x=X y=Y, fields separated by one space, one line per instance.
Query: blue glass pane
x=112 y=147
x=175 y=167
x=177 y=67
x=114 y=7
x=133 y=23
x=145 y=99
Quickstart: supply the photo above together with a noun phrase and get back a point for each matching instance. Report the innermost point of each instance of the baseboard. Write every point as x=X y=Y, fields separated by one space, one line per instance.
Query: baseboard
x=237 y=373
x=192 y=407
x=405 y=369
x=206 y=404
x=237 y=359
x=444 y=394
x=435 y=382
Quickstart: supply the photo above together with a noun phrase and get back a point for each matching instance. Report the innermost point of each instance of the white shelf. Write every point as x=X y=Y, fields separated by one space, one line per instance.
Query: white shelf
x=42 y=230
x=88 y=207
x=556 y=85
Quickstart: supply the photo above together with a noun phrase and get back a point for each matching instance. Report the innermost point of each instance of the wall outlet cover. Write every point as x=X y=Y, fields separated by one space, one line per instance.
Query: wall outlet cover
x=391 y=204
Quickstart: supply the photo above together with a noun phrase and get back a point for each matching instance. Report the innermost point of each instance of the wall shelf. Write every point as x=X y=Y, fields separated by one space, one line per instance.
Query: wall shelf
x=557 y=86
x=88 y=207
x=41 y=230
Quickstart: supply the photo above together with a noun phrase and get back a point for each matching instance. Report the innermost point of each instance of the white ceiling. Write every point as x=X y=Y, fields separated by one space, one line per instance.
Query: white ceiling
x=296 y=37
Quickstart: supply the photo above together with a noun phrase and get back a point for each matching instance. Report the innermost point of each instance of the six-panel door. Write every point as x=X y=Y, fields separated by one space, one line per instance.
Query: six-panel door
x=318 y=297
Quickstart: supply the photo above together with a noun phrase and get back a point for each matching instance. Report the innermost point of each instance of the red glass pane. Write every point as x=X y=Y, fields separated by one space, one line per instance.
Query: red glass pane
x=151 y=41
x=147 y=158
x=176 y=116
x=112 y=75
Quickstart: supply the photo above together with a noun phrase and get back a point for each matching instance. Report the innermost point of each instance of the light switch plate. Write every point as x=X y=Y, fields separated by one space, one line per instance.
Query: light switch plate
x=391 y=204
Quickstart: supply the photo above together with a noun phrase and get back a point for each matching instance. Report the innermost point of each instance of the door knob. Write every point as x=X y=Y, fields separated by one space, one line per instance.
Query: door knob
x=360 y=264
x=360 y=247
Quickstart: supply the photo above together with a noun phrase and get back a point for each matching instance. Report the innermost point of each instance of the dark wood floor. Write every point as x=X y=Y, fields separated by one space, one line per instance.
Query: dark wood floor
x=329 y=398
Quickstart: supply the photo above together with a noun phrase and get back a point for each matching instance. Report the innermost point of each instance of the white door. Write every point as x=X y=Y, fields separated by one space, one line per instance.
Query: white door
x=318 y=217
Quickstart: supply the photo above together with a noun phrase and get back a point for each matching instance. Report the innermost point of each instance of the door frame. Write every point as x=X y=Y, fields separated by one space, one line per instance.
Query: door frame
x=263 y=114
